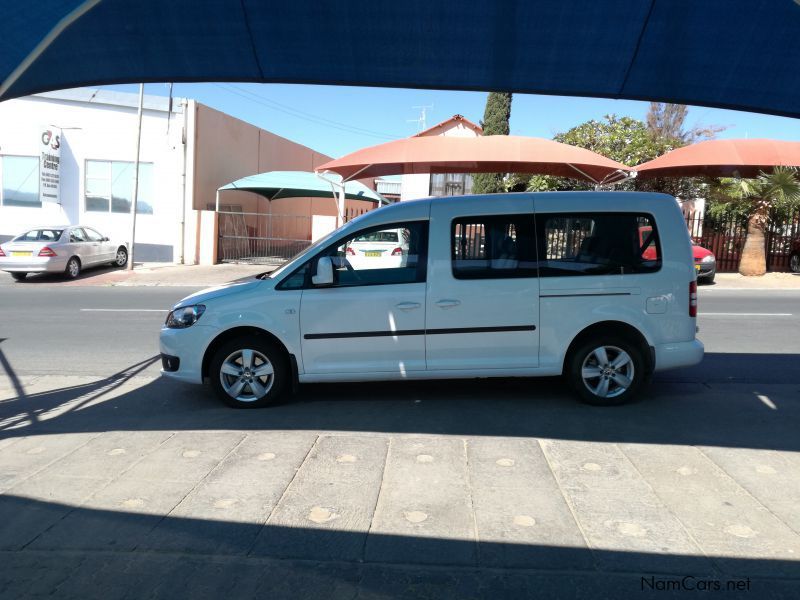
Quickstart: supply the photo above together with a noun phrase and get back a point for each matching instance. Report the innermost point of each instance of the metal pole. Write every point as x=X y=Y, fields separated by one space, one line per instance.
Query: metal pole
x=136 y=179
x=340 y=216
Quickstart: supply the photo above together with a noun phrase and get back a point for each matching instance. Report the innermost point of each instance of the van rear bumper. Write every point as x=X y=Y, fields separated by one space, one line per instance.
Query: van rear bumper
x=678 y=354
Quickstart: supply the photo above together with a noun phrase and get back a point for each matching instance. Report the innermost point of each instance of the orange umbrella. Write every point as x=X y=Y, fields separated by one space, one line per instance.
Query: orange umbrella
x=483 y=154
x=723 y=158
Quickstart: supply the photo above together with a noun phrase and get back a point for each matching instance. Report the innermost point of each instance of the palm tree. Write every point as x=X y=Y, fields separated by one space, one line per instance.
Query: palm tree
x=779 y=189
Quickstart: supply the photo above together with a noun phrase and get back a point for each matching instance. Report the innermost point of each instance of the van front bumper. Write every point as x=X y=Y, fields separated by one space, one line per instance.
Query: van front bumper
x=182 y=351
x=678 y=354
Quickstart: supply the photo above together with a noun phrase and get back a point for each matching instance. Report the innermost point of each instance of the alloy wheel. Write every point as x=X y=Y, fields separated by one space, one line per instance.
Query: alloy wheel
x=607 y=371
x=122 y=257
x=247 y=375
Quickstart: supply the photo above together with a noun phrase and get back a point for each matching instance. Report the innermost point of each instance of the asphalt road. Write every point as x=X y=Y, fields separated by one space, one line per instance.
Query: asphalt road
x=103 y=330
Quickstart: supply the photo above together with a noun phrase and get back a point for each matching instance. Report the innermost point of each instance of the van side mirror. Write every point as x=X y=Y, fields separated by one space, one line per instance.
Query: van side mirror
x=324 y=275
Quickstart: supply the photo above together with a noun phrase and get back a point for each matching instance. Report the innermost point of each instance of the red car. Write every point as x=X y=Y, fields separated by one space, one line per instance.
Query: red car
x=705 y=263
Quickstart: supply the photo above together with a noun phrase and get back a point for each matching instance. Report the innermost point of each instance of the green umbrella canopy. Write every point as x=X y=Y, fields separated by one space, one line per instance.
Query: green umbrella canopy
x=300 y=184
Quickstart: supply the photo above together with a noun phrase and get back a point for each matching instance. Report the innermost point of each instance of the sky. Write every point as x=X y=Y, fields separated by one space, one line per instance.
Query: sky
x=337 y=120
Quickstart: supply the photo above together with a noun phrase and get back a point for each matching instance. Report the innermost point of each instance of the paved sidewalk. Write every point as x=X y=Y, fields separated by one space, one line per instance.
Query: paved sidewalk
x=772 y=281
x=129 y=487
x=167 y=274
x=151 y=274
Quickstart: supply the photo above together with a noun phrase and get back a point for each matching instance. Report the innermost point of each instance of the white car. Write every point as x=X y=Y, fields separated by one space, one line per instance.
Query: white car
x=383 y=249
x=515 y=285
x=67 y=249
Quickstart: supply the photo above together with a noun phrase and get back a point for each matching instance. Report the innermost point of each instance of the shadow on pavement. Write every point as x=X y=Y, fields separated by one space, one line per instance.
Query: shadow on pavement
x=75 y=552
x=681 y=410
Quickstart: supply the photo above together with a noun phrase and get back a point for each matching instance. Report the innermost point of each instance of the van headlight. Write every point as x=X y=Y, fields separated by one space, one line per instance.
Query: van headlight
x=185 y=316
x=708 y=259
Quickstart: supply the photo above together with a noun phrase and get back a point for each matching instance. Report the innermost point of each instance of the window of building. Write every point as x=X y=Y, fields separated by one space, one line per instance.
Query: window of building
x=597 y=244
x=19 y=179
x=109 y=187
x=450 y=184
x=492 y=247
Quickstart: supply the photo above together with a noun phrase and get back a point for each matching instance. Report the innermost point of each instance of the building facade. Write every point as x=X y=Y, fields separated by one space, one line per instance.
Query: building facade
x=442 y=184
x=68 y=157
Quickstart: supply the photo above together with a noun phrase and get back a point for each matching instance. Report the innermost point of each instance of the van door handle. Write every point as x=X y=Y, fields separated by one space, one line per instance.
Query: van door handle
x=448 y=303
x=408 y=305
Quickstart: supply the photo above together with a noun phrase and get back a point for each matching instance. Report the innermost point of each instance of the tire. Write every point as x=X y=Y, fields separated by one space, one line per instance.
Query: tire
x=254 y=391
x=19 y=276
x=73 y=268
x=708 y=280
x=122 y=257
x=794 y=262
x=590 y=353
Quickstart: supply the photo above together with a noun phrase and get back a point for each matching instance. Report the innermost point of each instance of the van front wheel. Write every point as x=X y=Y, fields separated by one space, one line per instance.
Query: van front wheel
x=607 y=371
x=249 y=372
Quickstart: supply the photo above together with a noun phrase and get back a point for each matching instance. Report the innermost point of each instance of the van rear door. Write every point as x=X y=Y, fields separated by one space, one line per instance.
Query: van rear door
x=482 y=305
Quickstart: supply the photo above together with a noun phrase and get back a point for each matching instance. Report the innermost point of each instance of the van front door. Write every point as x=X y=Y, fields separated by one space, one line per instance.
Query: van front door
x=371 y=318
x=483 y=292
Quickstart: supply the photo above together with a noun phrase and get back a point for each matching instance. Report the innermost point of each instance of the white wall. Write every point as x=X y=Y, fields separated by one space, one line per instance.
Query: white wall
x=91 y=130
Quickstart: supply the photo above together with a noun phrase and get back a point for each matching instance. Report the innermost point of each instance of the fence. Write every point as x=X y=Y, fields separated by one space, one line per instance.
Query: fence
x=781 y=230
x=261 y=238
x=725 y=237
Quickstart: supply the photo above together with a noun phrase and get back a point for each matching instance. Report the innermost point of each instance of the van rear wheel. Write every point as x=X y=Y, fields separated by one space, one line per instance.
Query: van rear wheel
x=249 y=372
x=607 y=371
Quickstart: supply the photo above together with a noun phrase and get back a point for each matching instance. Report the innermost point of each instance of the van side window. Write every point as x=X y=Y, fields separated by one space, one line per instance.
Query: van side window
x=597 y=244
x=492 y=247
x=383 y=255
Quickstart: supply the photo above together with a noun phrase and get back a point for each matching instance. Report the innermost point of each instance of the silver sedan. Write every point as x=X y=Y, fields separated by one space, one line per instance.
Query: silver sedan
x=65 y=249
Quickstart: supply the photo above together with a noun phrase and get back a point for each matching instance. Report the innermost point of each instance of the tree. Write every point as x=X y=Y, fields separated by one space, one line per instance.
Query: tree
x=495 y=122
x=754 y=198
x=623 y=139
x=667 y=122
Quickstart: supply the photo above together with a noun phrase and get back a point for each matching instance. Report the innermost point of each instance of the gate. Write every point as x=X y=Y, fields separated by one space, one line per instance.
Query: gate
x=723 y=236
x=782 y=229
x=261 y=238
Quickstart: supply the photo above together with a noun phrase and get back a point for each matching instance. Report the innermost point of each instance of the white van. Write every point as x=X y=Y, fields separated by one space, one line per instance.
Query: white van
x=598 y=286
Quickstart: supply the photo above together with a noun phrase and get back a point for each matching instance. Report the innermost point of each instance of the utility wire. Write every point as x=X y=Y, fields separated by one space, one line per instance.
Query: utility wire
x=298 y=114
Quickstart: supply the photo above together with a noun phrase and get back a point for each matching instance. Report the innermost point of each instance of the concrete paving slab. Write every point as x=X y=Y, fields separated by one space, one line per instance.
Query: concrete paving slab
x=519 y=509
x=243 y=489
x=121 y=514
x=424 y=512
x=618 y=512
x=187 y=457
x=723 y=518
x=326 y=511
x=770 y=477
x=29 y=456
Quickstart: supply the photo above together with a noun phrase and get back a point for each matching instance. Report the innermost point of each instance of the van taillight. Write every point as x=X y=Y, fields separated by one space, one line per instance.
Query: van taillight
x=350 y=251
x=693 y=299
x=397 y=252
x=46 y=252
x=1 y=252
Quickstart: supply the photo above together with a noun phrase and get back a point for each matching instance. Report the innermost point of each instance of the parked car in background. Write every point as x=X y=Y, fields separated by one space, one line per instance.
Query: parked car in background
x=794 y=258
x=705 y=263
x=64 y=249
x=377 y=250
